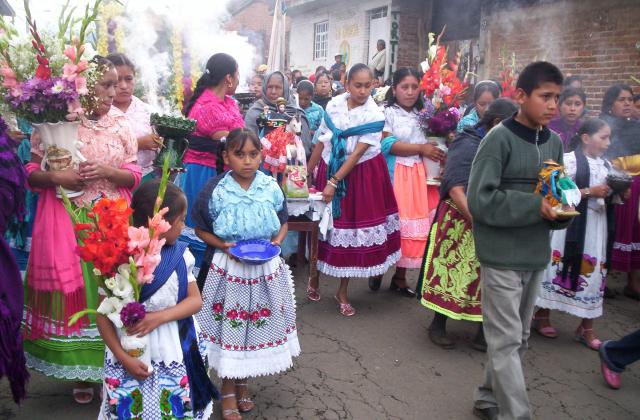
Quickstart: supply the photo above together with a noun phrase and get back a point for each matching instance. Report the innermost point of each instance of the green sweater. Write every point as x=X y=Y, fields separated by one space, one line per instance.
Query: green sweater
x=509 y=232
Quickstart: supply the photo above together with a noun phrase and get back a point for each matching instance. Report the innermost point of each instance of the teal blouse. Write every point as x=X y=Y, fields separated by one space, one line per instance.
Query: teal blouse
x=239 y=215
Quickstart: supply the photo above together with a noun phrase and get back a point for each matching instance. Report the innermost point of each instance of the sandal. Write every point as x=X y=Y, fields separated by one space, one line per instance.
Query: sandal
x=77 y=392
x=548 y=331
x=245 y=404
x=345 y=308
x=593 y=344
x=313 y=294
x=230 y=413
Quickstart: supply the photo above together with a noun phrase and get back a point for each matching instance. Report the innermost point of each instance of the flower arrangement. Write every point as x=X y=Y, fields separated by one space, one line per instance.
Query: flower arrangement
x=44 y=75
x=507 y=74
x=124 y=257
x=442 y=90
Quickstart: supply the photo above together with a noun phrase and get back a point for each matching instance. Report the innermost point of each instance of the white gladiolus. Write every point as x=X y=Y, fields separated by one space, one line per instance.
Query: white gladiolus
x=110 y=283
x=123 y=287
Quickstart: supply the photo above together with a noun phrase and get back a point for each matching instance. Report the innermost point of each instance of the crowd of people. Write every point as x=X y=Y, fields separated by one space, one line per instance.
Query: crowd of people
x=488 y=248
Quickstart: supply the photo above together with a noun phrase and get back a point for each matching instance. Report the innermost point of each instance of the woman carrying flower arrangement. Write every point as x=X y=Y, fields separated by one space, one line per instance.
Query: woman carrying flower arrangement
x=57 y=284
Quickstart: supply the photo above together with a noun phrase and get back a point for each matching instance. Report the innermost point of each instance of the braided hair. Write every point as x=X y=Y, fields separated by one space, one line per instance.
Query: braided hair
x=218 y=67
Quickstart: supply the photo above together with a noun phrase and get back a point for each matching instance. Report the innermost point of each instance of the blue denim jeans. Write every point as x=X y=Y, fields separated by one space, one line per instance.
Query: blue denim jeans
x=618 y=354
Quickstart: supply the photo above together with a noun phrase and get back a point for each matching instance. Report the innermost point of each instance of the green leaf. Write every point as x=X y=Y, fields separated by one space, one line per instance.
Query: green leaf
x=75 y=317
x=133 y=279
x=136 y=406
x=68 y=206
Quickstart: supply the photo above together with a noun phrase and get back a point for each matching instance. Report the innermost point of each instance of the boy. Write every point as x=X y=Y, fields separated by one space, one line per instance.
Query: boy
x=511 y=228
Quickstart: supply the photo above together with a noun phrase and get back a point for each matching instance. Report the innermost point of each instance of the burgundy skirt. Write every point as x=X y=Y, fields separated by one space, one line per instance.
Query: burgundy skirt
x=365 y=240
x=626 y=247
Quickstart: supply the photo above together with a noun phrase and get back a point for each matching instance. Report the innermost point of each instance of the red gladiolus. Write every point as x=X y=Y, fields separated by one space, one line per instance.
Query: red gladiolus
x=43 y=72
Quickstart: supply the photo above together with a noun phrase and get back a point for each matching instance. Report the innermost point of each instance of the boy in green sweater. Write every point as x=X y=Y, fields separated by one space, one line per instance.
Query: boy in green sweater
x=511 y=227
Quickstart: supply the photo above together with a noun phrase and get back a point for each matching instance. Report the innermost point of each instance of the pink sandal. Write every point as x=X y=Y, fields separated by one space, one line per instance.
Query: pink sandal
x=548 y=331
x=313 y=294
x=345 y=308
x=593 y=344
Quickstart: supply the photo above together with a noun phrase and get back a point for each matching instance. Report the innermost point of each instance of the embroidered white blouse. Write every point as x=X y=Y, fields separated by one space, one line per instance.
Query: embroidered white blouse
x=406 y=128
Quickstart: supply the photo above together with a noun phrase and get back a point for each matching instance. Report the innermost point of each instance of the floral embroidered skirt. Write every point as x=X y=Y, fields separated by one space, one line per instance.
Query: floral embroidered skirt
x=163 y=395
x=450 y=275
x=583 y=299
x=416 y=201
x=248 y=318
x=365 y=239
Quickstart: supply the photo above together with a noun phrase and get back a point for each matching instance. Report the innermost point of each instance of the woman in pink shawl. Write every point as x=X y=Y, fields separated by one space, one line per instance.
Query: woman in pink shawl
x=58 y=284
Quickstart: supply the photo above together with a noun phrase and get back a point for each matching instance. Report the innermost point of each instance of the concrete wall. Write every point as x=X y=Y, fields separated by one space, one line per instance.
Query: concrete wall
x=348 y=31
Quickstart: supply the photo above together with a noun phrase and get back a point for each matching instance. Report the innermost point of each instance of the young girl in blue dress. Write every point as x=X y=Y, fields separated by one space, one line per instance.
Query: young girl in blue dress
x=248 y=317
x=178 y=386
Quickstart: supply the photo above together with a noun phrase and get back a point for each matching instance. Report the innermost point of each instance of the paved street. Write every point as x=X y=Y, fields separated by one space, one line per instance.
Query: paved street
x=381 y=365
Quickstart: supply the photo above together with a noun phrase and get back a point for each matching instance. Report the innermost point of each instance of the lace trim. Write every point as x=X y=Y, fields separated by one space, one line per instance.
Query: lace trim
x=406 y=262
x=415 y=228
x=356 y=238
x=376 y=270
x=634 y=246
x=81 y=373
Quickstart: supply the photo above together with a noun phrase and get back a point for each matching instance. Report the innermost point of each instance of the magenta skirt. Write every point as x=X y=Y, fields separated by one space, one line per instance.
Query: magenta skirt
x=365 y=240
x=626 y=247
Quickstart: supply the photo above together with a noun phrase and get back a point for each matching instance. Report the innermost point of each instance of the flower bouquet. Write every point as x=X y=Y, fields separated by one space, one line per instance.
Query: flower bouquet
x=508 y=74
x=44 y=81
x=174 y=130
x=124 y=258
x=443 y=92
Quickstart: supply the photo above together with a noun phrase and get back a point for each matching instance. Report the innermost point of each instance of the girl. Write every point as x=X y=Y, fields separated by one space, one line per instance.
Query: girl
x=352 y=175
x=58 y=285
x=173 y=387
x=216 y=114
x=256 y=85
x=484 y=93
x=404 y=145
x=449 y=282
x=574 y=280
x=617 y=111
x=572 y=103
x=313 y=111
x=248 y=318
x=322 y=86
x=275 y=86
x=138 y=113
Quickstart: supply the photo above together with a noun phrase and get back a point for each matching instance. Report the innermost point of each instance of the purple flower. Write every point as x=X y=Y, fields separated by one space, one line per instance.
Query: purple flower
x=132 y=313
x=444 y=122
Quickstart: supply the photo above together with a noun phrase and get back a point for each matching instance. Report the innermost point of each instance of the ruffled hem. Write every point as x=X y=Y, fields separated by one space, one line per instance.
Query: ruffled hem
x=571 y=309
x=407 y=262
x=364 y=237
x=248 y=364
x=376 y=270
x=79 y=373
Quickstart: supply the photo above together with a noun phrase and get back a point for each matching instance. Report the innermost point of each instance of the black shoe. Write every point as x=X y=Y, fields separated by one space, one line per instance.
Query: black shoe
x=478 y=342
x=489 y=413
x=404 y=291
x=440 y=339
x=375 y=282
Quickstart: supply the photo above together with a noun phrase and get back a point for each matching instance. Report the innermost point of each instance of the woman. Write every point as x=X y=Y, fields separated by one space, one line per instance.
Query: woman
x=572 y=105
x=58 y=284
x=484 y=93
x=138 y=113
x=274 y=87
x=449 y=282
x=624 y=153
x=352 y=175
x=323 y=93
x=216 y=114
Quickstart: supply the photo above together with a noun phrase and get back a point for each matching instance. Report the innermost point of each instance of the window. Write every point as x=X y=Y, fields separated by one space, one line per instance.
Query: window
x=320 y=40
x=379 y=13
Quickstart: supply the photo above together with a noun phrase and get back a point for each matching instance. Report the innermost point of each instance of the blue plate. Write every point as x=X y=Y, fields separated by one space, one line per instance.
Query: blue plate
x=255 y=251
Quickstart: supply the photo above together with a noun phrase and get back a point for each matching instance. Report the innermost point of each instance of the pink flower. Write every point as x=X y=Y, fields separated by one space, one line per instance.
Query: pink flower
x=255 y=315
x=232 y=314
x=82 y=65
x=184 y=382
x=74 y=109
x=81 y=86
x=265 y=312
x=155 y=245
x=217 y=308
x=69 y=71
x=244 y=315
x=138 y=238
x=158 y=224
x=9 y=77
x=70 y=52
x=112 y=381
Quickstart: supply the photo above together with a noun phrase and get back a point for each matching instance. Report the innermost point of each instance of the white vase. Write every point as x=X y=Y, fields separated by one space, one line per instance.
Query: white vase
x=432 y=167
x=60 y=141
x=137 y=347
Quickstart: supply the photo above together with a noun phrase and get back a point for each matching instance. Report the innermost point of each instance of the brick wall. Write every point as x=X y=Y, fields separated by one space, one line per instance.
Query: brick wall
x=592 y=38
x=414 y=21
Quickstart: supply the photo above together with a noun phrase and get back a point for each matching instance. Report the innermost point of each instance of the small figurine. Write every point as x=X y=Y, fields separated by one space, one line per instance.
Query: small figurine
x=558 y=189
x=262 y=119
